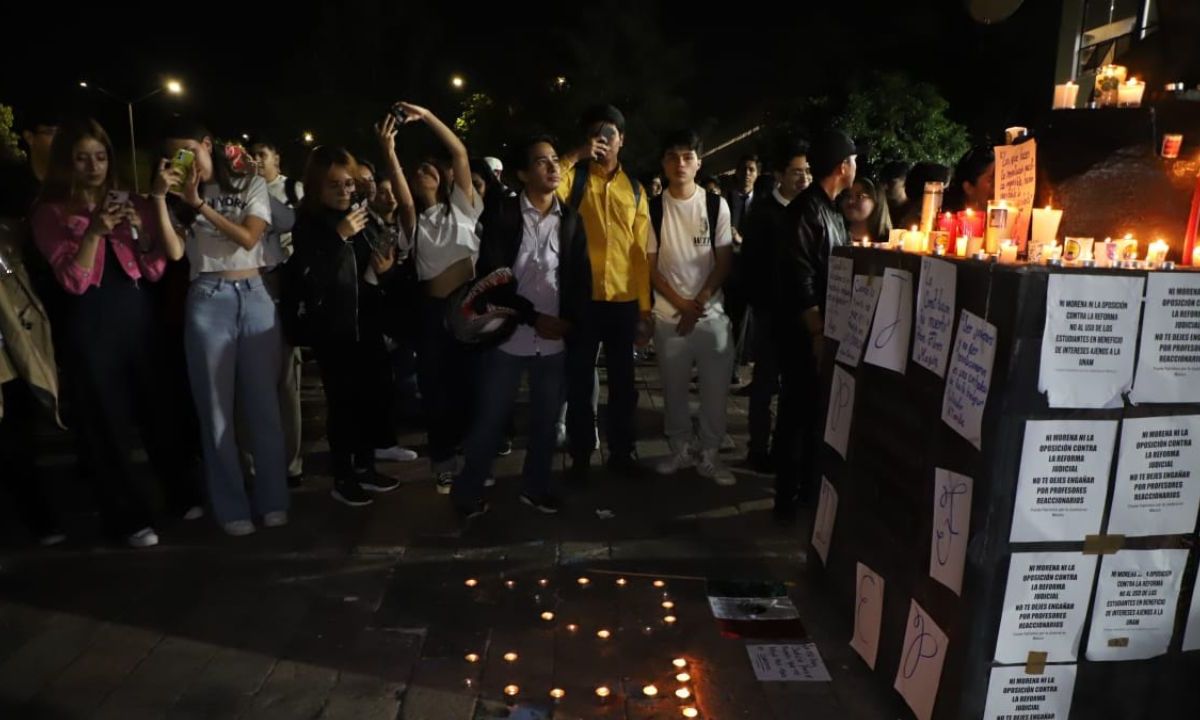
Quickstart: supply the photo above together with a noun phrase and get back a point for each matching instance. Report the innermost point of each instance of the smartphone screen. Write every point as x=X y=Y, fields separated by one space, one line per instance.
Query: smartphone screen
x=182 y=163
x=117 y=197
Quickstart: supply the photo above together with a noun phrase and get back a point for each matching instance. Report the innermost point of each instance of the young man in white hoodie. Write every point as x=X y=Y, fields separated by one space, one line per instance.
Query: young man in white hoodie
x=690 y=253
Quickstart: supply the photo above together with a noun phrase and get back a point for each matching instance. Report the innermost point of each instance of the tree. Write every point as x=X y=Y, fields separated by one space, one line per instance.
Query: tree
x=8 y=138
x=899 y=119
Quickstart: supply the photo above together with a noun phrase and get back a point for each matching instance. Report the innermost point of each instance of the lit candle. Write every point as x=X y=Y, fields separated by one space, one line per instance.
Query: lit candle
x=997 y=226
x=543 y=582
x=659 y=584
x=622 y=582
x=895 y=238
x=938 y=242
x=510 y=657
x=511 y=690
x=1065 y=96
x=603 y=634
x=558 y=693
x=1051 y=251
x=947 y=223
x=1128 y=248
x=914 y=241
x=1196 y=256
x=1008 y=251
x=683 y=693
x=960 y=246
x=670 y=619
x=690 y=712
x=510 y=584
x=1108 y=81
x=1171 y=143
x=583 y=582
x=683 y=677
x=1045 y=225
x=931 y=203
x=1130 y=92
x=650 y=691
x=572 y=627
x=547 y=616
x=472 y=658
x=667 y=604
x=1077 y=249
x=471 y=582
x=1106 y=253
x=1156 y=254
x=679 y=663
x=603 y=692
x=970 y=223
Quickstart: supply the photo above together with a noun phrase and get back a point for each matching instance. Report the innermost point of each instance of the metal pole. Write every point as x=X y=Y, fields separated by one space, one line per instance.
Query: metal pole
x=133 y=150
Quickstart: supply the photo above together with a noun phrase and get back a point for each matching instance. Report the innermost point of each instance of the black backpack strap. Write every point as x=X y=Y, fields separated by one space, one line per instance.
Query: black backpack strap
x=289 y=189
x=656 y=217
x=637 y=193
x=713 y=201
x=579 y=184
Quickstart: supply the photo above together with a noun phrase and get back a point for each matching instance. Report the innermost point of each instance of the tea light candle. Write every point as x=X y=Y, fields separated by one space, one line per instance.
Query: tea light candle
x=603 y=692
x=1127 y=248
x=558 y=693
x=690 y=712
x=1065 y=96
x=683 y=677
x=670 y=619
x=603 y=634
x=1008 y=252
x=1156 y=254
x=1045 y=225
x=471 y=582
x=679 y=663
x=1077 y=249
x=547 y=616
x=472 y=658
x=683 y=693
x=667 y=604
x=659 y=584
x=650 y=691
x=510 y=657
x=511 y=690
x=622 y=582
x=1130 y=92
x=510 y=584
x=583 y=582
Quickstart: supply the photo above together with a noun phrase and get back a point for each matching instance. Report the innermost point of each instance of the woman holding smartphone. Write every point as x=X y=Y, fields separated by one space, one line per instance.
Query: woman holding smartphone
x=103 y=245
x=232 y=336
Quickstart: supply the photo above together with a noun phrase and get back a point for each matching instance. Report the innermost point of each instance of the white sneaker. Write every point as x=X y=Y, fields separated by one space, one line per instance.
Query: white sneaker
x=395 y=454
x=144 y=538
x=710 y=467
x=275 y=519
x=195 y=512
x=238 y=528
x=676 y=462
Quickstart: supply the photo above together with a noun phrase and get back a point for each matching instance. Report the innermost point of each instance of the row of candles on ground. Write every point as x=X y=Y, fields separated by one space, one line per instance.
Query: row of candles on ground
x=603 y=692
x=668 y=605
x=1111 y=90
x=972 y=239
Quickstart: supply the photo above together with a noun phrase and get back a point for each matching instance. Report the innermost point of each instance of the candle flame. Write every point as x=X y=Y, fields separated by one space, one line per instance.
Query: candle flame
x=511 y=690
x=679 y=663
x=649 y=691
x=603 y=691
x=558 y=693
x=683 y=693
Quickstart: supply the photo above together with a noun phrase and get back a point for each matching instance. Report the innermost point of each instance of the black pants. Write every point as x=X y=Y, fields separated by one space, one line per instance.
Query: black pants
x=447 y=373
x=615 y=325
x=356 y=375
x=18 y=473
x=117 y=365
x=798 y=425
x=765 y=385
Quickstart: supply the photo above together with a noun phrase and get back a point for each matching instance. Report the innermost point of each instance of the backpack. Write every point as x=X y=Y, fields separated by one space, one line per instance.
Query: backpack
x=289 y=189
x=713 y=205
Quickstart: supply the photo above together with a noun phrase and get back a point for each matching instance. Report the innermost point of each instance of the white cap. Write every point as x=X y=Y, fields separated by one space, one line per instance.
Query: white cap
x=494 y=164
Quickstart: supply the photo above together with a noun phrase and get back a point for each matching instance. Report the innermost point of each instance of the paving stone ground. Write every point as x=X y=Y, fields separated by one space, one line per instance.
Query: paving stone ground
x=364 y=614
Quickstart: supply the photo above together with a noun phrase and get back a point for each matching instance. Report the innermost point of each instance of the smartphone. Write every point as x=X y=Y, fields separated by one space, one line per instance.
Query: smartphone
x=182 y=163
x=609 y=133
x=399 y=114
x=117 y=197
x=357 y=200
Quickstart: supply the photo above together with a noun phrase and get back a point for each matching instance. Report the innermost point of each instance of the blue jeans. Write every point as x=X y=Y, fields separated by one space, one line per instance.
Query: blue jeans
x=234 y=353
x=501 y=383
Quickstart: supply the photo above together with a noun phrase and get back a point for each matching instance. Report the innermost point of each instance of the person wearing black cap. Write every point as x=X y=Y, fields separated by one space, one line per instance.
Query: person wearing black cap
x=803 y=266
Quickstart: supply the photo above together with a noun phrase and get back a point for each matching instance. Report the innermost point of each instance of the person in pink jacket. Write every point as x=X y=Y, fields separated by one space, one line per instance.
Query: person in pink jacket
x=104 y=246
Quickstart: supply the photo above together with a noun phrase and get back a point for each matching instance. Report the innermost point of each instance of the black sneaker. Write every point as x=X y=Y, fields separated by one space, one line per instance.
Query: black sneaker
x=469 y=512
x=544 y=503
x=444 y=481
x=372 y=481
x=295 y=481
x=349 y=492
x=624 y=465
x=505 y=449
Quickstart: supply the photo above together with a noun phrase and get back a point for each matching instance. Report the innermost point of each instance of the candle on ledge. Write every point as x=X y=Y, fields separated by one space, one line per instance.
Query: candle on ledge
x=1051 y=251
x=896 y=238
x=1008 y=252
x=1127 y=248
x=914 y=241
x=948 y=223
x=997 y=226
x=1156 y=254
x=1065 y=96
x=1130 y=92
x=970 y=223
x=939 y=242
x=1105 y=253
x=1045 y=225
x=1108 y=79
x=1196 y=256
x=960 y=246
x=511 y=690
x=931 y=203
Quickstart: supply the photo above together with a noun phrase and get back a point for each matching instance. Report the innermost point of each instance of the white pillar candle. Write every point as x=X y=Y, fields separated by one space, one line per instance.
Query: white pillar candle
x=1045 y=225
x=1130 y=92
x=1156 y=254
x=1065 y=96
x=997 y=226
x=914 y=241
x=1008 y=252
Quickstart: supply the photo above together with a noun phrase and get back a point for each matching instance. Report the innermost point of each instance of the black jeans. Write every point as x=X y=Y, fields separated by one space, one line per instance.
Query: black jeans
x=18 y=472
x=615 y=325
x=356 y=376
x=447 y=375
x=765 y=384
x=798 y=425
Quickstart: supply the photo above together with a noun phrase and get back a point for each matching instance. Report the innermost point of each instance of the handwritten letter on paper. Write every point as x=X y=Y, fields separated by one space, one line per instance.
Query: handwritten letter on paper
x=1158 y=477
x=970 y=377
x=951 y=523
x=839 y=292
x=1013 y=695
x=858 y=321
x=888 y=344
x=823 y=523
x=868 y=614
x=1045 y=604
x=921 y=660
x=1087 y=346
x=1168 y=369
x=1063 y=481
x=1016 y=183
x=1134 y=613
x=841 y=410
x=935 y=315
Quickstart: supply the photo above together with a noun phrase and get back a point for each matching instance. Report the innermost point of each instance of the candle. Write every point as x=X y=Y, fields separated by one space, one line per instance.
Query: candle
x=471 y=582
x=679 y=663
x=472 y=658
x=510 y=584
x=603 y=692
x=939 y=240
x=510 y=657
x=649 y=691
x=960 y=246
x=659 y=584
x=683 y=677
x=997 y=226
x=603 y=634
x=1045 y=225
x=543 y=582
x=1106 y=253
x=1008 y=251
x=1196 y=256
x=1108 y=80
x=1014 y=133
x=1077 y=249
x=1051 y=251
x=583 y=582
x=511 y=690
x=1193 y=224
x=948 y=223
x=622 y=582
x=931 y=203
x=683 y=693
x=970 y=223
x=1130 y=92
x=1127 y=248
x=572 y=627
x=1171 y=143
x=547 y=616
x=896 y=238
x=1065 y=96
x=914 y=241
x=690 y=712
x=558 y=693
x=667 y=604
x=670 y=619
x=1156 y=254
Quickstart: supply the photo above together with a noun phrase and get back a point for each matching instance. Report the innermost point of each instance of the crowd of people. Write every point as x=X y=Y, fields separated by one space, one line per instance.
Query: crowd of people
x=174 y=321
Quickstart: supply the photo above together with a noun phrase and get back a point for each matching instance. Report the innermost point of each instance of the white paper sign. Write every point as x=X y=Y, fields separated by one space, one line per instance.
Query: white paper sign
x=841 y=410
x=1013 y=695
x=1168 y=369
x=1063 y=482
x=921 y=658
x=1045 y=604
x=788 y=663
x=823 y=523
x=1158 y=477
x=1088 y=343
x=1134 y=613
x=868 y=614
x=970 y=377
x=1191 y=633
x=839 y=290
x=1016 y=183
x=951 y=525
x=888 y=343
x=935 y=315
x=858 y=321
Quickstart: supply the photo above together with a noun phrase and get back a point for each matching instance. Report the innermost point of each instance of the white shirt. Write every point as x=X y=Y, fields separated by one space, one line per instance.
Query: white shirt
x=445 y=238
x=210 y=250
x=278 y=189
x=536 y=271
x=686 y=256
x=782 y=200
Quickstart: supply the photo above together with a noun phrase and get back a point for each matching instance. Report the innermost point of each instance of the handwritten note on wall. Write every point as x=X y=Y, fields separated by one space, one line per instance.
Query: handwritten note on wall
x=840 y=413
x=887 y=346
x=1168 y=368
x=839 y=292
x=823 y=523
x=970 y=377
x=935 y=315
x=858 y=322
x=1089 y=338
x=868 y=614
x=921 y=659
x=1158 y=477
x=1016 y=183
x=951 y=525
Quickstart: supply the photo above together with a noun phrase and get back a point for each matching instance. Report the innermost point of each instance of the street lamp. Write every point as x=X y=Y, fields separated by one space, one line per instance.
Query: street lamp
x=457 y=82
x=174 y=87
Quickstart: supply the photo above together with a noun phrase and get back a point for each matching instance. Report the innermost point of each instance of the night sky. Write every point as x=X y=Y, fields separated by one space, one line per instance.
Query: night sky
x=333 y=68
